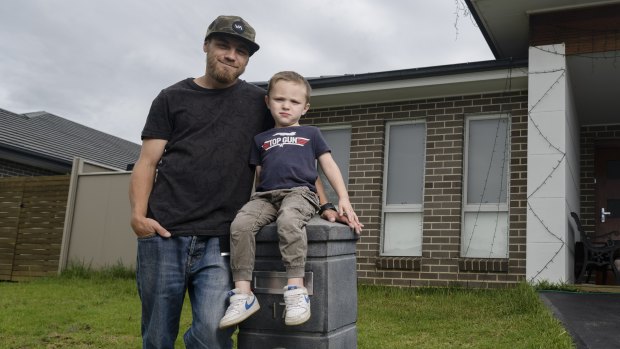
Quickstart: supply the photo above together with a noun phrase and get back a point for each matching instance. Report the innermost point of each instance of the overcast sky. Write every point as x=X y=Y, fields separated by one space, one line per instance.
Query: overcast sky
x=101 y=63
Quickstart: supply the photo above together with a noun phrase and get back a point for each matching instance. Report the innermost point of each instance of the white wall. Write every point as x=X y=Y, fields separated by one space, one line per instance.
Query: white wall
x=573 y=177
x=553 y=167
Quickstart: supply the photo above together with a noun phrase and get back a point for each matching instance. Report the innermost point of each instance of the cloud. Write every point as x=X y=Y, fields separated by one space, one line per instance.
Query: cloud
x=100 y=63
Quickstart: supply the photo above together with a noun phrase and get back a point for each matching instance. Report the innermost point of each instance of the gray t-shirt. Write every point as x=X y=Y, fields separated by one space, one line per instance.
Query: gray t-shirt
x=203 y=177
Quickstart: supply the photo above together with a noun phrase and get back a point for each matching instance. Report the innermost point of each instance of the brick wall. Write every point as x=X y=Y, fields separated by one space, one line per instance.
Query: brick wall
x=440 y=263
x=14 y=169
x=588 y=30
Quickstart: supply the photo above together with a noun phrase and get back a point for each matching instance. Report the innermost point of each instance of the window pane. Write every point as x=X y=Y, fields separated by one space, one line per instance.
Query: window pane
x=613 y=206
x=403 y=234
x=403 y=189
x=339 y=140
x=405 y=167
x=613 y=169
x=487 y=161
x=485 y=235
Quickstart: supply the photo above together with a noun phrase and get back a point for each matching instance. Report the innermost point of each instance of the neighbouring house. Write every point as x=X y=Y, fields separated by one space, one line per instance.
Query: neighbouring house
x=466 y=174
x=43 y=144
x=38 y=152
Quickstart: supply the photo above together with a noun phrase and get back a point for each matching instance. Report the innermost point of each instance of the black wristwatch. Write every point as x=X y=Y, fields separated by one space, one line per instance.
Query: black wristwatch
x=327 y=206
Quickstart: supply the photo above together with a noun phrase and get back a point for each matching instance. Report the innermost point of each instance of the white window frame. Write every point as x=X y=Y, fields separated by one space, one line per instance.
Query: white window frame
x=481 y=207
x=400 y=208
x=326 y=183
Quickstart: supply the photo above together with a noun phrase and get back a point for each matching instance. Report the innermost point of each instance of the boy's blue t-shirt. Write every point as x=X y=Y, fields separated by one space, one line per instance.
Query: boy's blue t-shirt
x=287 y=157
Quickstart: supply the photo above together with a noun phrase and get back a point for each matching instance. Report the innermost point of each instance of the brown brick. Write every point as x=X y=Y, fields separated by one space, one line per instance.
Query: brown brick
x=441 y=264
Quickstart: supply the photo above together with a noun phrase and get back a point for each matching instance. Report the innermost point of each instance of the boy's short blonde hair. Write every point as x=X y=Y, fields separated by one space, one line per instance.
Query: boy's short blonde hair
x=290 y=76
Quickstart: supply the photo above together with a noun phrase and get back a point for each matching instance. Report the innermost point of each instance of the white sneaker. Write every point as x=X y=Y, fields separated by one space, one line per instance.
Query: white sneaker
x=297 y=305
x=241 y=306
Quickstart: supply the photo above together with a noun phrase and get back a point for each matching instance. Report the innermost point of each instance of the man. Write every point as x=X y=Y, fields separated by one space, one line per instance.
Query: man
x=190 y=180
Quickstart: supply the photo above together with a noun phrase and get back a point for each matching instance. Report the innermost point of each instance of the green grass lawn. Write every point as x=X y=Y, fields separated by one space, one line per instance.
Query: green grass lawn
x=457 y=318
x=102 y=310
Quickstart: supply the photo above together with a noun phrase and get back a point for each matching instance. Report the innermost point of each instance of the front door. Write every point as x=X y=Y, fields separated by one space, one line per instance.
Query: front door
x=607 y=174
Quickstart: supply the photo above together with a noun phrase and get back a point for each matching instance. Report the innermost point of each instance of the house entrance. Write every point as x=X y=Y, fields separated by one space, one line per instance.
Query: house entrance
x=607 y=189
x=607 y=197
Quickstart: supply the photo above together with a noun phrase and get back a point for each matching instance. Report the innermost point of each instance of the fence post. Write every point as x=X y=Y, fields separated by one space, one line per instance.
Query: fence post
x=331 y=280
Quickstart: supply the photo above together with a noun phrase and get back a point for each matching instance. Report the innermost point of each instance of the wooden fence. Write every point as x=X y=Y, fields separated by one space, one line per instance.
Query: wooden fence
x=32 y=216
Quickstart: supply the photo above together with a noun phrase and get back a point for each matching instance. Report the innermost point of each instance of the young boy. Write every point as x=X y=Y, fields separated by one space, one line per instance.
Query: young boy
x=285 y=160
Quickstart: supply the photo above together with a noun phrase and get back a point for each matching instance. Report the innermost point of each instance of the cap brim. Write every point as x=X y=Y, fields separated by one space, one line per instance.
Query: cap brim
x=253 y=47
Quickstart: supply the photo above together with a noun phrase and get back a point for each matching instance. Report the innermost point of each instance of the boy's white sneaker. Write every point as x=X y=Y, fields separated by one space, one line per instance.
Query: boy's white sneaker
x=242 y=305
x=297 y=305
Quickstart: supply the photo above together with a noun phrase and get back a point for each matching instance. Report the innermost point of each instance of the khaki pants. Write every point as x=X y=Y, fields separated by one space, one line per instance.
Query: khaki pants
x=291 y=209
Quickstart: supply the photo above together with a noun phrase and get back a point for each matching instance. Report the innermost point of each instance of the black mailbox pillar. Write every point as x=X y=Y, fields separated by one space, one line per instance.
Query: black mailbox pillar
x=331 y=280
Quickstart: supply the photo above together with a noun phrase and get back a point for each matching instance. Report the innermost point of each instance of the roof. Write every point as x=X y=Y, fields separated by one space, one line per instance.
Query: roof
x=505 y=23
x=593 y=77
x=416 y=73
x=412 y=73
x=58 y=140
x=418 y=83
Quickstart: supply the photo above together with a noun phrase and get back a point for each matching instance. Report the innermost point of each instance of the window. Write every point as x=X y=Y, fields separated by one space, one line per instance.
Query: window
x=403 y=181
x=485 y=208
x=339 y=140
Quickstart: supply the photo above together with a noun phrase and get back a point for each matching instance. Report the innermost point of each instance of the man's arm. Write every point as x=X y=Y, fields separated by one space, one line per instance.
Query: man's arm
x=140 y=188
x=345 y=210
x=327 y=214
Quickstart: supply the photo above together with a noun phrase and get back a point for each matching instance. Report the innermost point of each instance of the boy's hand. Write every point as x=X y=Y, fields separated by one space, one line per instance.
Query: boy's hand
x=345 y=215
x=345 y=210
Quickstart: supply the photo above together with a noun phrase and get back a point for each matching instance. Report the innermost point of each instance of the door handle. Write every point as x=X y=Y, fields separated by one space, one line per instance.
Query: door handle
x=603 y=214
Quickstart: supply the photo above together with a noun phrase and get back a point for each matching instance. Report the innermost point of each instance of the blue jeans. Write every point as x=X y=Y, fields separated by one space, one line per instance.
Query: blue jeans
x=166 y=268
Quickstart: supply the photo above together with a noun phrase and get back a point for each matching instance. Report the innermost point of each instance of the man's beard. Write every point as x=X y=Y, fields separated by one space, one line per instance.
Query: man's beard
x=221 y=74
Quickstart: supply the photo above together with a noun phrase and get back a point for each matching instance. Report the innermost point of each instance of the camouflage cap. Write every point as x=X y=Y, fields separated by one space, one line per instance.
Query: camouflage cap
x=236 y=27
